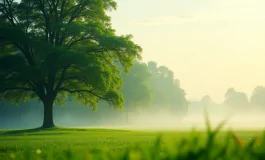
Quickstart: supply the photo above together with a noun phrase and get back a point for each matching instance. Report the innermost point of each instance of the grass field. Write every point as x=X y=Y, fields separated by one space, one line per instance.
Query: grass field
x=81 y=144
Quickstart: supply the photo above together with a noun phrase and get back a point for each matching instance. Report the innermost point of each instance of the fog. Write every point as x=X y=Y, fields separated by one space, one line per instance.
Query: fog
x=248 y=119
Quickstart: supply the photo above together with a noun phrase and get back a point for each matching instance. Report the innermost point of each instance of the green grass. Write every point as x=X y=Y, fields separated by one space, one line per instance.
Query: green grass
x=119 y=144
x=105 y=144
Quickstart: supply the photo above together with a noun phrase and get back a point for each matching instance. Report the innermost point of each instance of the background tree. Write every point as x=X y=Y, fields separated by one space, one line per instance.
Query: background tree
x=236 y=99
x=62 y=47
x=152 y=66
x=258 y=97
x=167 y=94
x=159 y=98
x=207 y=101
x=136 y=90
x=178 y=101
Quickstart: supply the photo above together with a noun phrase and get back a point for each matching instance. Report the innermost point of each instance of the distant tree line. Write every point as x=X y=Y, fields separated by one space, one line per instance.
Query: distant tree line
x=238 y=100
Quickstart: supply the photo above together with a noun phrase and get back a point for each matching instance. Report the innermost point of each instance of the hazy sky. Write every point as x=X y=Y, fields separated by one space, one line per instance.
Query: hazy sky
x=210 y=45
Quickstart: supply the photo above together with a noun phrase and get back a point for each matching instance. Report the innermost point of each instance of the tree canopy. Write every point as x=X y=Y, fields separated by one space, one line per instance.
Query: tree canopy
x=207 y=101
x=50 y=49
x=136 y=90
x=257 y=97
x=167 y=93
x=236 y=99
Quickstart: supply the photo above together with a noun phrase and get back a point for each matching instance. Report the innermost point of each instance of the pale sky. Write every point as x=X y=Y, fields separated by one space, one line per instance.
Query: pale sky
x=210 y=45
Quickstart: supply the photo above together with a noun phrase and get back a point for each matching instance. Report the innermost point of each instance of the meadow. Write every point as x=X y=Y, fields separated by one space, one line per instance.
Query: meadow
x=107 y=144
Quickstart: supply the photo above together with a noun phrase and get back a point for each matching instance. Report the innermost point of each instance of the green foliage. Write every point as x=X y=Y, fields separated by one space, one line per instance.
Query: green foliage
x=257 y=97
x=166 y=89
x=62 y=47
x=236 y=99
x=136 y=89
x=207 y=101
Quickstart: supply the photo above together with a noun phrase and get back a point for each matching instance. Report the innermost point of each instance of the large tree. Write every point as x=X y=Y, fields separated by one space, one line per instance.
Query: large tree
x=52 y=48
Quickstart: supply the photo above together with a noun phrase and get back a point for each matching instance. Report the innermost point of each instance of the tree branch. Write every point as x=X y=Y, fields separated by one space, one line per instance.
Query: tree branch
x=8 y=12
x=77 y=78
x=84 y=91
x=77 y=68
x=59 y=84
x=78 y=40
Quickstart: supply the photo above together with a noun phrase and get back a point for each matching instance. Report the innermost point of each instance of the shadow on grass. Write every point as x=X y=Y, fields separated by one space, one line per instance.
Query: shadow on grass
x=34 y=131
x=56 y=131
x=93 y=130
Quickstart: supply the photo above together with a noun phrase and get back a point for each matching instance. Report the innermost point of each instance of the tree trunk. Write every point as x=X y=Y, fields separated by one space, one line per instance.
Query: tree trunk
x=48 y=114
